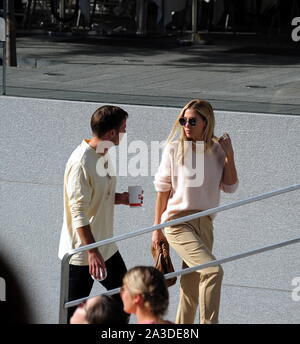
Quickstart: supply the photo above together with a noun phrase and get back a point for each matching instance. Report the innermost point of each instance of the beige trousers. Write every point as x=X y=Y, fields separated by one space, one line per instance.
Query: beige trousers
x=193 y=242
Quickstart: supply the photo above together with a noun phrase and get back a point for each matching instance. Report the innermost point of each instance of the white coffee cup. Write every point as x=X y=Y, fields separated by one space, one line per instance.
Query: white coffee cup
x=135 y=196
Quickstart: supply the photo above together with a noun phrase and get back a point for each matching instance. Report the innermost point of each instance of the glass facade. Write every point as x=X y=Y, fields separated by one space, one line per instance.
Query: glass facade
x=241 y=56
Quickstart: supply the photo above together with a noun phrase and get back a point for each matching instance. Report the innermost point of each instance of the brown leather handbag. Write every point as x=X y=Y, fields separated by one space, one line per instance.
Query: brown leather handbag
x=163 y=261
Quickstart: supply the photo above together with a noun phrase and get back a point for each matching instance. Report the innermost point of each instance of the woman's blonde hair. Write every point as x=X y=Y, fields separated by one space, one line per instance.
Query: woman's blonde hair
x=150 y=283
x=204 y=109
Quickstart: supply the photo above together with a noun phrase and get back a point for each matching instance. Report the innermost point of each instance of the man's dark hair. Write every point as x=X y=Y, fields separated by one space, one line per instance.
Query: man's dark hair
x=107 y=311
x=107 y=118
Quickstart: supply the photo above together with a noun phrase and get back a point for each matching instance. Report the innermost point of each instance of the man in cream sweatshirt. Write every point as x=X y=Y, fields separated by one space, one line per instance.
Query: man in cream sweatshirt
x=89 y=199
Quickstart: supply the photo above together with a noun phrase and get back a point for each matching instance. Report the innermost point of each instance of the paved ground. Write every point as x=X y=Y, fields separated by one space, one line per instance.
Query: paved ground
x=236 y=72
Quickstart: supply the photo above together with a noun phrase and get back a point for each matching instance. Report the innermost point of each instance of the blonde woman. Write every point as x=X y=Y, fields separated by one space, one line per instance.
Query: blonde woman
x=177 y=197
x=145 y=294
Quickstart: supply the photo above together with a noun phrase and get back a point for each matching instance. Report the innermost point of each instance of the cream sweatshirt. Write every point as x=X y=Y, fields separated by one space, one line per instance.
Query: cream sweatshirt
x=88 y=199
x=184 y=195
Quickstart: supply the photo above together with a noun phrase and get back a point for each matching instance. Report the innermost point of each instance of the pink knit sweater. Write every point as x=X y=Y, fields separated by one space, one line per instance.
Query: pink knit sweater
x=196 y=198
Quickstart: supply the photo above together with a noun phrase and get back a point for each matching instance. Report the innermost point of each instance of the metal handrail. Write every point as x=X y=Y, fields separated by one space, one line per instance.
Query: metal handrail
x=65 y=261
x=200 y=267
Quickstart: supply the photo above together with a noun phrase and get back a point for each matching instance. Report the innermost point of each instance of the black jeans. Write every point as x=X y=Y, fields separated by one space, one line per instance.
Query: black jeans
x=81 y=282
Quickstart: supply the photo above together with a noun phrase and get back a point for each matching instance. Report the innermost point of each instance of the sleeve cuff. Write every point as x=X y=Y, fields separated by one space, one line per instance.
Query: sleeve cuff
x=77 y=223
x=230 y=188
x=162 y=187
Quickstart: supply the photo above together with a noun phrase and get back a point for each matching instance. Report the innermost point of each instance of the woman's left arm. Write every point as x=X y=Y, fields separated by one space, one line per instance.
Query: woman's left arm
x=229 y=172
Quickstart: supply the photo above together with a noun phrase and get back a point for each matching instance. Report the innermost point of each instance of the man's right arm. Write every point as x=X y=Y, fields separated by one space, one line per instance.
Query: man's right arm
x=96 y=261
x=79 y=193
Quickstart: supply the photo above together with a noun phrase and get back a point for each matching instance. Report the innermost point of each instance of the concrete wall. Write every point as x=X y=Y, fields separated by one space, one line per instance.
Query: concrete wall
x=37 y=137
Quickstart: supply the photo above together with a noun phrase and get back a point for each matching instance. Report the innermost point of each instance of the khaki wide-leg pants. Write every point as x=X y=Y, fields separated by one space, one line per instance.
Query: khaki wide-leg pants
x=193 y=242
